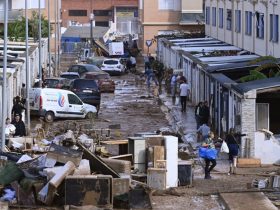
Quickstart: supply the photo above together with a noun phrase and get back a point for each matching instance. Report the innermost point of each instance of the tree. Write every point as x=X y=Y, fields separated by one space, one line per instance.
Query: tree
x=270 y=65
x=16 y=29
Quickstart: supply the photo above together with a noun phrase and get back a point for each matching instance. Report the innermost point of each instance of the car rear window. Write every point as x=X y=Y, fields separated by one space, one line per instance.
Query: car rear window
x=85 y=83
x=111 y=62
x=69 y=76
x=103 y=76
x=92 y=68
x=51 y=82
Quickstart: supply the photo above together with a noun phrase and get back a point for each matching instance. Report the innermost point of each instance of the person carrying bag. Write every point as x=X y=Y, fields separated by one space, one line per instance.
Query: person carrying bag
x=209 y=153
x=233 y=150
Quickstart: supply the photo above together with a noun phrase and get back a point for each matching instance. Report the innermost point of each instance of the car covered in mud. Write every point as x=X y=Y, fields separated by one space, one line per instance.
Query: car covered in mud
x=103 y=79
x=113 y=66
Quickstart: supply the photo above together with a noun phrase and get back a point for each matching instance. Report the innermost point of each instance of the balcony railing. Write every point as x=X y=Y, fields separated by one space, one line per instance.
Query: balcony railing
x=12 y=15
x=192 y=18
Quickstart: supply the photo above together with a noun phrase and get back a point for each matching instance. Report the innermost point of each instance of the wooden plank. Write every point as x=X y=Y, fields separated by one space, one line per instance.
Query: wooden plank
x=248 y=162
x=248 y=201
x=114 y=142
x=96 y=164
x=154 y=141
x=159 y=154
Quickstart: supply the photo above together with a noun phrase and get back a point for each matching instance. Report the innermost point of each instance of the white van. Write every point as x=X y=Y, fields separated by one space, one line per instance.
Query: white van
x=56 y=103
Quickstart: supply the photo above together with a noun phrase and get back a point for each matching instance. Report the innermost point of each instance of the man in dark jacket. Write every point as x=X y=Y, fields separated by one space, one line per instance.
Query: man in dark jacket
x=205 y=113
x=20 y=126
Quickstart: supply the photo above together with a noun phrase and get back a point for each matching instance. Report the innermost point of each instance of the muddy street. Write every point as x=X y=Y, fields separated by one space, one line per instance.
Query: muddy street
x=130 y=109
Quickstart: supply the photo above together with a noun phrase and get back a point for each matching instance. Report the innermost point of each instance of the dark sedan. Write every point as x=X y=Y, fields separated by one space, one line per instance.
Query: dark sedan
x=87 y=90
x=83 y=68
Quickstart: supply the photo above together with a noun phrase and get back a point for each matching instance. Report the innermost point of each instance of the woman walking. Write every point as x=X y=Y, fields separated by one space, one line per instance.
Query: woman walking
x=233 y=150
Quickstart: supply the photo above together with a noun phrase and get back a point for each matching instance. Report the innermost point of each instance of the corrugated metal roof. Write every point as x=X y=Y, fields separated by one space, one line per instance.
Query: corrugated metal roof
x=258 y=84
x=84 y=32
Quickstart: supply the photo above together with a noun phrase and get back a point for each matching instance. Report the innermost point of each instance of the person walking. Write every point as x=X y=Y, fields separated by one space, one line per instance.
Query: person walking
x=233 y=150
x=173 y=85
x=184 y=92
x=204 y=130
x=205 y=112
x=209 y=143
x=198 y=114
x=20 y=126
x=18 y=107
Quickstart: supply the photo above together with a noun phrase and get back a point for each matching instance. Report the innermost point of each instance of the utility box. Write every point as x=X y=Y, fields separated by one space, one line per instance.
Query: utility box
x=89 y=190
x=185 y=173
x=137 y=147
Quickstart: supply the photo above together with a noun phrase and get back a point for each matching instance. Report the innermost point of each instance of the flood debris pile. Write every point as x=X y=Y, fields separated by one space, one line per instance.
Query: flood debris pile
x=74 y=168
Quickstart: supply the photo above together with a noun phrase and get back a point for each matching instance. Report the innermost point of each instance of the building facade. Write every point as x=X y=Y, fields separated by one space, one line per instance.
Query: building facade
x=159 y=17
x=252 y=25
x=120 y=15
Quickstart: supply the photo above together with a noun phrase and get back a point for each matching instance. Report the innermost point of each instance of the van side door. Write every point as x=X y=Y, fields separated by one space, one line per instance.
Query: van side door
x=75 y=106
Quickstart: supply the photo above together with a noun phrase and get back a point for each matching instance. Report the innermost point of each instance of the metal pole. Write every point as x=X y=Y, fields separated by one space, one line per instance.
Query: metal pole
x=55 y=39
x=27 y=69
x=40 y=44
x=58 y=6
x=49 y=38
x=91 y=34
x=4 y=92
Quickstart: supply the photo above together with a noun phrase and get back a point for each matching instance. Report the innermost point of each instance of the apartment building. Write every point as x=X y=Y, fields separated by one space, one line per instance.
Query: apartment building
x=159 y=17
x=252 y=25
x=120 y=15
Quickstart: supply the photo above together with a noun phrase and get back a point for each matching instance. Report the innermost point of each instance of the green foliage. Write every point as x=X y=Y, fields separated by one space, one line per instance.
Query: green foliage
x=254 y=75
x=16 y=29
x=263 y=58
x=271 y=67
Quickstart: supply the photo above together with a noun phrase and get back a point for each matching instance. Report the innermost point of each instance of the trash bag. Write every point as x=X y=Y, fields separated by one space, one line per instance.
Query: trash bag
x=224 y=147
x=207 y=153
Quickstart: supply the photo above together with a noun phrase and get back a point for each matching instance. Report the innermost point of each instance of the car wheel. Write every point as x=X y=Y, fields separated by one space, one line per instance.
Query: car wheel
x=90 y=115
x=49 y=117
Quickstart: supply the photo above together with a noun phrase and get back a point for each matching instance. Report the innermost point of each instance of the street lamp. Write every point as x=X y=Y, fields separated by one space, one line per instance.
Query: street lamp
x=91 y=17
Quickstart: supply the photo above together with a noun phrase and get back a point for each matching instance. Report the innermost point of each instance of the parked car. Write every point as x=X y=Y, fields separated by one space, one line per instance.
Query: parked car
x=87 y=90
x=113 y=66
x=57 y=82
x=70 y=75
x=83 y=68
x=103 y=79
x=53 y=103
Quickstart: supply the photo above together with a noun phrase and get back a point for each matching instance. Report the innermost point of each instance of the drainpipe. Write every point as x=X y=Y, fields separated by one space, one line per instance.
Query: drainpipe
x=232 y=22
x=267 y=32
x=27 y=69
x=254 y=27
x=4 y=91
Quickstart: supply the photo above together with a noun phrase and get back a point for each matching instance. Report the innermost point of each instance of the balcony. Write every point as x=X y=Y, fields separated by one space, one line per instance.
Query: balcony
x=192 y=19
x=12 y=15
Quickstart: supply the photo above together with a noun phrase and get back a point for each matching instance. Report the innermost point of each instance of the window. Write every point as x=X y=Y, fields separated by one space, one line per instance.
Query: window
x=221 y=18
x=74 y=99
x=77 y=12
x=237 y=21
x=262 y=116
x=207 y=15
x=169 y=5
x=102 y=23
x=260 y=25
x=248 y=23
x=213 y=16
x=102 y=12
x=274 y=28
x=229 y=19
